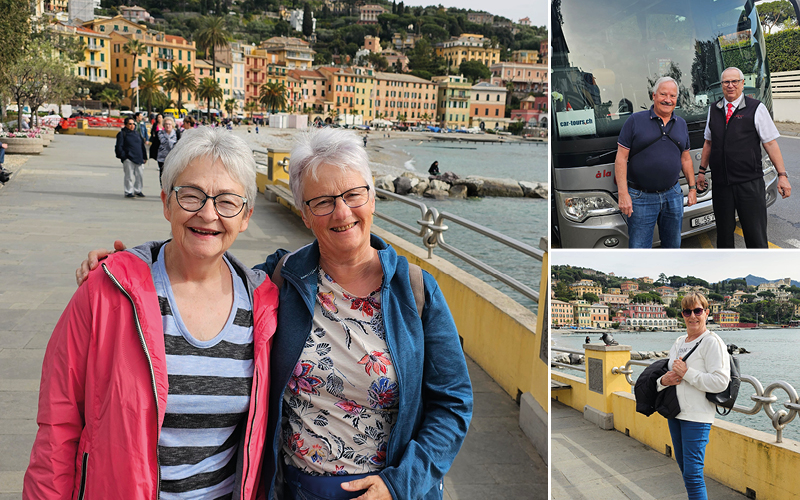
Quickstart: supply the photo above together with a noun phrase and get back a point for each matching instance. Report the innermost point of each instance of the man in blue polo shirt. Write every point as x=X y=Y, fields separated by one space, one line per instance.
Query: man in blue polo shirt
x=652 y=149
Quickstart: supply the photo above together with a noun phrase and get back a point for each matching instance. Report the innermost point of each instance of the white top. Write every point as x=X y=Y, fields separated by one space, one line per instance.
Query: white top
x=708 y=369
x=767 y=131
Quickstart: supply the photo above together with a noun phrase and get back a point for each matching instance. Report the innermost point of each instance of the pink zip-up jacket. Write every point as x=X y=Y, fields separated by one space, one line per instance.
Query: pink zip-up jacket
x=104 y=388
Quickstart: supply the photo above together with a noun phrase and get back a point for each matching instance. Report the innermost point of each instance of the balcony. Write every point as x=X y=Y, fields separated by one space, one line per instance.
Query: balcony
x=165 y=56
x=96 y=64
x=94 y=47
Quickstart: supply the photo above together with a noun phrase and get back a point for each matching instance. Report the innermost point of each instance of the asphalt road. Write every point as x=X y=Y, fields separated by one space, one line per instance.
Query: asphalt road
x=783 y=216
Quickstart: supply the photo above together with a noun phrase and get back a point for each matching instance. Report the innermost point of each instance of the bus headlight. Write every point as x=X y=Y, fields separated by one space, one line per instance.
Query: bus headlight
x=580 y=206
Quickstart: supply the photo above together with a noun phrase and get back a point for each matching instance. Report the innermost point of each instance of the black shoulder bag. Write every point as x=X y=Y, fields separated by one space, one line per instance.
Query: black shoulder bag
x=727 y=398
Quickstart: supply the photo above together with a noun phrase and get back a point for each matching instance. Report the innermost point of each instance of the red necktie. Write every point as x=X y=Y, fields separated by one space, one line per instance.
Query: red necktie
x=730 y=112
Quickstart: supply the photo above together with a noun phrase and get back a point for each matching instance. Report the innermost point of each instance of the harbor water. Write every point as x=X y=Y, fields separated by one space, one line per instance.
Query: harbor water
x=773 y=356
x=524 y=219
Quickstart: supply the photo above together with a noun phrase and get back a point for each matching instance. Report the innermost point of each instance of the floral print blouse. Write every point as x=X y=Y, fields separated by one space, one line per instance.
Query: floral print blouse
x=342 y=399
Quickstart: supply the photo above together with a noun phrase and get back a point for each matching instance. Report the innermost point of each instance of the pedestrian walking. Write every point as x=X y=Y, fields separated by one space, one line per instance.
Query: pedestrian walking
x=131 y=151
x=166 y=141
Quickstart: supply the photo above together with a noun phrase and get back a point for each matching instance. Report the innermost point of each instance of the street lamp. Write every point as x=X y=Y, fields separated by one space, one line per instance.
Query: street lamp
x=84 y=92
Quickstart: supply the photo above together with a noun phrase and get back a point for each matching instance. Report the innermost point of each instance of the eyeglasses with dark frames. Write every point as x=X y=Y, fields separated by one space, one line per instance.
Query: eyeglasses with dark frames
x=688 y=312
x=325 y=205
x=730 y=83
x=193 y=199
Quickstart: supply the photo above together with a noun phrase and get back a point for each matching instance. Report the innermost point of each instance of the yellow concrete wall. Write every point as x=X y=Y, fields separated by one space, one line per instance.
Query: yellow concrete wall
x=499 y=334
x=736 y=456
x=575 y=396
x=611 y=358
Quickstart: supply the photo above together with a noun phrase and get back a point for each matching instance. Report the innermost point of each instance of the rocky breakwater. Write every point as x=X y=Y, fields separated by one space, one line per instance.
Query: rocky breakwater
x=449 y=185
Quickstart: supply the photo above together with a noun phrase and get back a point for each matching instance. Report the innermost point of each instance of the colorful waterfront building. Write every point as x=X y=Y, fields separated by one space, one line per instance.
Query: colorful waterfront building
x=294 y=52
x=96 y=63
x=525 y=56
x=163 y=52
x=599 y=315
x=629 y=287
x=727 y=319
x=525 y=77
x=487 y=106
x=582 y=314
x=398 y=96
x=313 y=96
x=261 y=67
x=561 y=313
x=452 y=101
x=614 y=299
x=585 y=286
x=468 y=47
x=233 y=55
x=645 y=315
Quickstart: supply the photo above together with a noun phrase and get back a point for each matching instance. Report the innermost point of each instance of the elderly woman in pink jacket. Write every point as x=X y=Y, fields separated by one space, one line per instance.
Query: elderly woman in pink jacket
x=154 y=383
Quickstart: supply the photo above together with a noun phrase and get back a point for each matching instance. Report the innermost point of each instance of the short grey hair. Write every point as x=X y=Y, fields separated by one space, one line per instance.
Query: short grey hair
x=326 y=146
x=733 y=68
x=664 y=79
x=217 y=144
x=170 y=119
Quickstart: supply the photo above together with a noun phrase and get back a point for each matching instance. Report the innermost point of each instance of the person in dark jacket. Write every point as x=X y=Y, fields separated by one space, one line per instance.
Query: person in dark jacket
x=131 y=151
x=736 y=129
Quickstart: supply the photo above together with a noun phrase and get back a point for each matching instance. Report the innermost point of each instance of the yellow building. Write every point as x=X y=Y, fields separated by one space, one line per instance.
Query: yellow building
x=294 y=52
x=468 y=47
x=727 y=318
x=351 y=90
x=452 y=101
x=561 y=313
x=586 y=286
x=96 y=63
x=398 y=95
x=581 y=313
x=163 y=52
x=525 y=56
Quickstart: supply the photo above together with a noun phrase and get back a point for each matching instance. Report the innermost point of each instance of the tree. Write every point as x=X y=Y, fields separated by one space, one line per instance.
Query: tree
x=230 y=106
x=776 y=13
x=209 y=89
x=591 y=298
x=110 y=97
x=251 y=107
x=212 y=35
x=150 y=88
x=308 y=21
x=179 y=79
x=378 y=61
x=15 y=32
x=273 y=96
x=134 y=48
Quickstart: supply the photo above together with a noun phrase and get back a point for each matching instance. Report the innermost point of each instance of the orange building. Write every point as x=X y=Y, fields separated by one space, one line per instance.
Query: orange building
x=261 y=67
x=561 y=313
x=312 y=93
x=487 y=106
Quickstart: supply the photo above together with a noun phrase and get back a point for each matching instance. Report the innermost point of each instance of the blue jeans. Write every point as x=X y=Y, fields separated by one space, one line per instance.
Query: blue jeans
x=2 y=155
x=689 y=440
x=649 y=209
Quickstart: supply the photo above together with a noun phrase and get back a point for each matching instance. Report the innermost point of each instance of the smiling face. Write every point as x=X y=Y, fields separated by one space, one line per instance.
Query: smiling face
x=732 y=92
x=204 y=234
x=665 y=98
x=695 y=325
x=343 y=234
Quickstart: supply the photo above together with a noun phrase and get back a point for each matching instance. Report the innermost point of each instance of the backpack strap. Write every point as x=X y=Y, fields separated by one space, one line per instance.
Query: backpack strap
x=276 y=273
x=417 y=286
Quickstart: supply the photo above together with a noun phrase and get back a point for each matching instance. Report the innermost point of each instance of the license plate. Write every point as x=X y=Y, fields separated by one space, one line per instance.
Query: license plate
x=703 y=220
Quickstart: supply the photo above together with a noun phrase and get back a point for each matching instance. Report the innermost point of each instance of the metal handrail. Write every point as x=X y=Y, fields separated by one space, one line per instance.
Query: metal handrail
x=432 y=230
x=581 y=369
x=762 y=399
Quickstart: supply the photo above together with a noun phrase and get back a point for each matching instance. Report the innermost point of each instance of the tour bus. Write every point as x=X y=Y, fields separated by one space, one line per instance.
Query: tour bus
x=605 y=57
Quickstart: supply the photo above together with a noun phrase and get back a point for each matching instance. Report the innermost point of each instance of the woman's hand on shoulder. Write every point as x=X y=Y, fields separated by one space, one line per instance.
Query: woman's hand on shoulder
x=93 y=260
x=376 y=488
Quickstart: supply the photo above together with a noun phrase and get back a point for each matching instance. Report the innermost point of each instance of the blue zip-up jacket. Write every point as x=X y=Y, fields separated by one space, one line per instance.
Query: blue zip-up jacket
x=435 y=390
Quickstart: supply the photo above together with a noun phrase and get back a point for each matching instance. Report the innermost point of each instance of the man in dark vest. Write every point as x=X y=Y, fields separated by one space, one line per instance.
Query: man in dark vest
x=736 y=128
x=652 y=150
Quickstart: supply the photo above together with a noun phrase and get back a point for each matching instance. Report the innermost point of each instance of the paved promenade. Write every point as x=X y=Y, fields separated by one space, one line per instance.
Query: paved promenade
x=69 y=200
x=593 y=464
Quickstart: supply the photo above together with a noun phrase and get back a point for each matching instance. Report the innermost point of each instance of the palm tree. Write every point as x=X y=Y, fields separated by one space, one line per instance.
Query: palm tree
x=134 y=48
x=333 y=114
x=250 y=107
x=273 y=96
x=180 y=79
x=212 y=35
x=209 y=89
x=110 y=97
x=150 y=88
x=230 y=106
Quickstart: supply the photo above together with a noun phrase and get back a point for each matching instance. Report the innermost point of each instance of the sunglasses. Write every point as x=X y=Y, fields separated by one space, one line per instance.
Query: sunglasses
x=688 y=312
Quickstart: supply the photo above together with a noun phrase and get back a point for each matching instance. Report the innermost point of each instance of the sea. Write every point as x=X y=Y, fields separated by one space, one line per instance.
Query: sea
x=774 y=355
x=524 y=219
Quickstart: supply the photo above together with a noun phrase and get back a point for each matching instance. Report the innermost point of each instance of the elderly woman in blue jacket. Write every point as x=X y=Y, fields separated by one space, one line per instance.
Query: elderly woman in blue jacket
x=370 y=397
x=366 y=392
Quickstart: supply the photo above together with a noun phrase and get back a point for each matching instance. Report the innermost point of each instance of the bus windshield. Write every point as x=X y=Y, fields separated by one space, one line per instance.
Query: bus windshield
x=606 y=55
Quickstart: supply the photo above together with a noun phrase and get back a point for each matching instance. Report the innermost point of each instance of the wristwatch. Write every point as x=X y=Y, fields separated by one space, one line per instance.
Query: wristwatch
x=783 y=174
x=692 y=187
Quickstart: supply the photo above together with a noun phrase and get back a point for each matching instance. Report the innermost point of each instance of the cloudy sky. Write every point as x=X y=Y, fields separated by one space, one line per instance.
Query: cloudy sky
x=710 y=266
x=536 y=10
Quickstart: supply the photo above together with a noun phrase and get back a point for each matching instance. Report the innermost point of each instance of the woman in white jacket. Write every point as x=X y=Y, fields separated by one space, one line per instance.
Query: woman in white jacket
x=706 y=370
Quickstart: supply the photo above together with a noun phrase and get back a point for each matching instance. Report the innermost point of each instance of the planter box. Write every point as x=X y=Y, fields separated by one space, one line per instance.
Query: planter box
x=23 y=145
